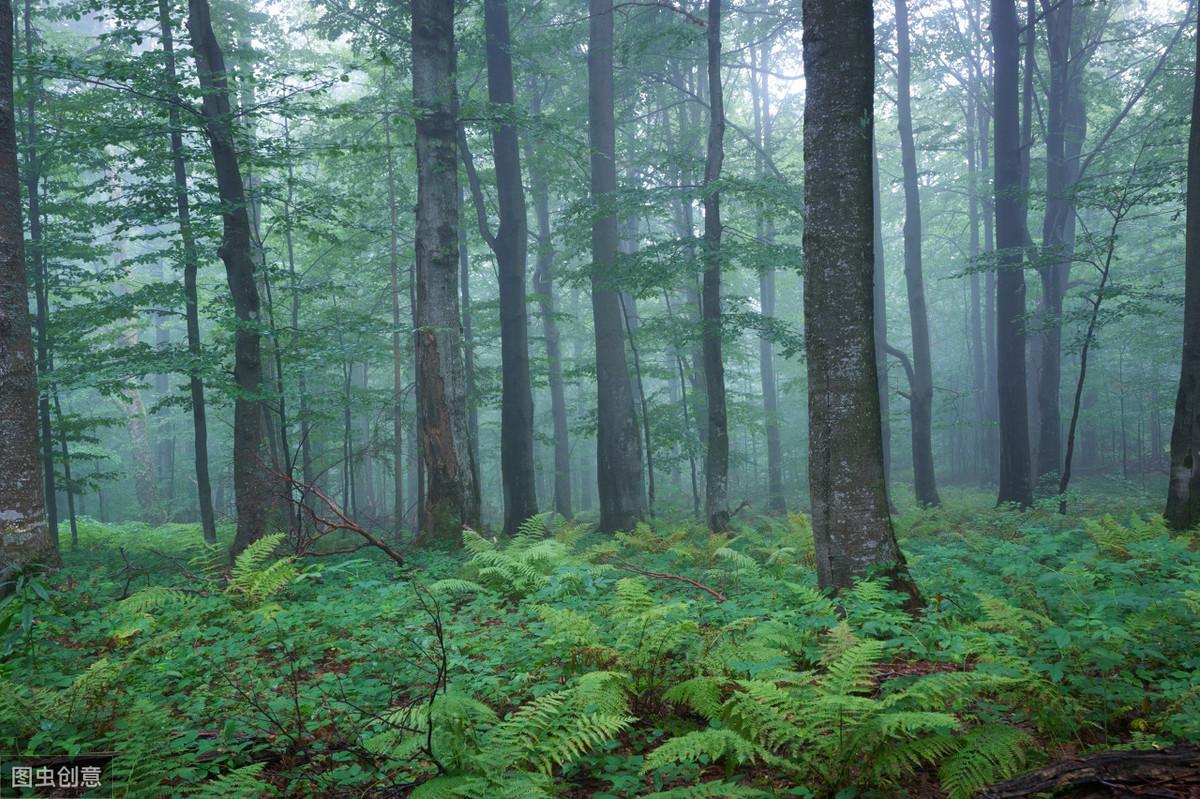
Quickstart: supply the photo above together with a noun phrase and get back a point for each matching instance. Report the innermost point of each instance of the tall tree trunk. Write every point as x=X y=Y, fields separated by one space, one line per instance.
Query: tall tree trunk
x=252 y=486
x=24 y=533
x=37 y=257
x=397 y=341
x=879 y=307
x=511 y=246
x=716 y=454
x=452 y=492
x=761 y=104
x=68 y=485
x=1183 y=493
x=618 y=445
x=852 y=529
x=468 y=334
x=975 y=310
x=921 y=391
x=1015 y=484
x=543 y=287
x=1063 y=101
x=191 y=265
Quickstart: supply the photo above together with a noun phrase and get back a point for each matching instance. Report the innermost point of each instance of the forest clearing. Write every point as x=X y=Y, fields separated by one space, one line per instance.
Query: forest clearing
x=668 y=399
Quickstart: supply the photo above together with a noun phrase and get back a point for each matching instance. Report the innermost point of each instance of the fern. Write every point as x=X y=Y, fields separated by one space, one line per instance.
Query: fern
x=245 y=781
x=704 y=747
x=716 y=789
x=985 y=755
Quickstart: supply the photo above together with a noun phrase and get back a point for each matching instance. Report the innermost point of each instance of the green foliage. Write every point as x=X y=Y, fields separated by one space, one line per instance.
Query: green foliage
x=561 y=675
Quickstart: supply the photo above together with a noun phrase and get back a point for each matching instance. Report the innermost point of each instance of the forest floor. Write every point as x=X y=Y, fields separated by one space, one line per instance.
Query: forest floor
x=563 y=663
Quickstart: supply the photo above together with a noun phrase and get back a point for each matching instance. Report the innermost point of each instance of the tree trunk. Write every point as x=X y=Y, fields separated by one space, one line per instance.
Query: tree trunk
x=252 y=492
x=38 y=267
x=761 y=104
x=879 y=307
x=452 y=492
x=397 y=341
x=543 y=287
x=921 y=391
x=716 y=454
x=1058 y=232
x=975 y=311
x=24 y=533
x=852 y=529
x=1015 y=484
x=618 y=445
x=1183 y=493
x=510 y=246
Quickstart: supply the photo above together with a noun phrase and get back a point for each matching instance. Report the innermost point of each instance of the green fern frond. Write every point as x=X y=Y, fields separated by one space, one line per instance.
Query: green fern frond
x=986 y=754
x=245 y=781
x=456 y=586
x=154 y=597
x=254 y=556
x=850 y=673
x=701 y=694
x=740 y=560
x=702 y=747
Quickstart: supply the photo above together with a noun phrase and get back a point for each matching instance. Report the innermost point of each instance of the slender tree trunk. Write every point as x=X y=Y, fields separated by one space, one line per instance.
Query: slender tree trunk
x=397 y=341
x=629 y=314
x=921 y=391
x=761 y=104
x=716 y=454
x=1015 y=484
x=879 y=307
x=975 y=310
x=1183 y=493
x=24 y=533
x=37 y=258
x=852 y=529
x=252 y=486
x=69 y=486
x=468 y=328
x=543 y=287
x=452 y=491
x=511 y=248
x=618 y=445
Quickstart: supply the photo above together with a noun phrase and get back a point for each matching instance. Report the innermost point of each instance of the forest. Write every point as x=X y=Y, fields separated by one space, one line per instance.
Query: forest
x=673 y=399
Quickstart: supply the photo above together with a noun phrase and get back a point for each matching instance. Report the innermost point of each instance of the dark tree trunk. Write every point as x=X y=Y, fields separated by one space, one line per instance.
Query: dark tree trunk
x=618 y=445
x=468 y=333
x=879 y=307
x=191 y=265
x=1015 y=484
x=68 y=484
x=452 y=492
x=852 y=529
x=251 y=482
x=1183 y=493
x=716 y=454
x=397 y=340
x=24 y=533
x=921 y=390
x=511 y=246
x=543 y=287
x=1066 y=124
x=41 y=288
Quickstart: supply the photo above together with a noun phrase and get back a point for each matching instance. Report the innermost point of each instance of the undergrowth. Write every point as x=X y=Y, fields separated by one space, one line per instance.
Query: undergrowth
x=552 y=664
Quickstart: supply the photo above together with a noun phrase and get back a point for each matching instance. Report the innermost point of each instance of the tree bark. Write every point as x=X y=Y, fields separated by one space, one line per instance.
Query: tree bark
x=252 y=484
x=716 y=454
x=24 y=533
x=1015 y=484
x=543 y=287
x=852 y=529
x=397 y=341
x=1183 y=492
x=879 y=307
x=618 y=445
x=511 y=248
x=191 y=265
x=921 y=391
x=761 y=104
x=451 y=493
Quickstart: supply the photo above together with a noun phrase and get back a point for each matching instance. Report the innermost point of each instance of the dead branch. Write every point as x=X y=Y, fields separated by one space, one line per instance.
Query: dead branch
x=629 y=567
